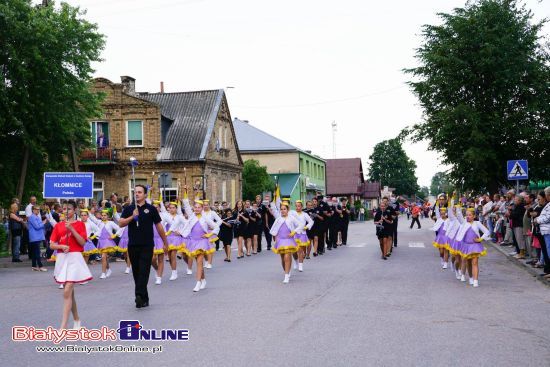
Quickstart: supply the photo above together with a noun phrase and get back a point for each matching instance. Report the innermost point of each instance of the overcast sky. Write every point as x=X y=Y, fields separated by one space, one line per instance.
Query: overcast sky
x=295 y=65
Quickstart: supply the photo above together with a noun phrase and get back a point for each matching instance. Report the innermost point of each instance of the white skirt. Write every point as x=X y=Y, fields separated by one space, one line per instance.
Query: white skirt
x=71 y=267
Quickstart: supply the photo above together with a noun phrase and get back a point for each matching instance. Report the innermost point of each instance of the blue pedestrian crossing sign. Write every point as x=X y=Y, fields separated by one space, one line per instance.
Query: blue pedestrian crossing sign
x=518 y=170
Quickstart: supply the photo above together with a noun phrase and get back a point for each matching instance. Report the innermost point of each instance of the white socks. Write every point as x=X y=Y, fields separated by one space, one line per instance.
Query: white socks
x=174 y=275
x=76 y=325
x=197 y=287
x=476 y=284
x=203 y=284
x=108 y=274
x=300 y=267
x=158 y=281
x=295 y=264
x=471 y=281
x=287 y=278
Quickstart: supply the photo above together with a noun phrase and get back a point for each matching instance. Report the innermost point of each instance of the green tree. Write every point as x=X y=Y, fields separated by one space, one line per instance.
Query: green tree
x=390 y=165
x=440 y=184
x=423 y=192
x=45 y=99
x=256 y=180
x=482 y=82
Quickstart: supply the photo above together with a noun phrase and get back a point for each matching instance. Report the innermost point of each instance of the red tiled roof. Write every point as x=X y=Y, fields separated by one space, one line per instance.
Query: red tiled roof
x=344 y=176
x=371 y=190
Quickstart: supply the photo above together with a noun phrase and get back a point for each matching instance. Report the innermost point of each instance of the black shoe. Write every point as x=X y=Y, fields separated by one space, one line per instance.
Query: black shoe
x=16 y=261
x=314 y=254
x=145 y=304
x=321 y=253
x=330 y=248
x=139 y=302
x=269 y=248
x=307 y=257
x=395 y=245
x=384 y=258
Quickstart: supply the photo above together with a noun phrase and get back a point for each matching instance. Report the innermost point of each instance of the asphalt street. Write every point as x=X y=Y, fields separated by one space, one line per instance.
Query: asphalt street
x=348 y=308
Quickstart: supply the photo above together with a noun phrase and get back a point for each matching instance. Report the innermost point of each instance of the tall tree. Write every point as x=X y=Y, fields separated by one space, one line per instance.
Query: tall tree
x=256 y=180
x=440 y=184
x=483 y=84
x=46 y=54
x=390 y=165
x=423 y=192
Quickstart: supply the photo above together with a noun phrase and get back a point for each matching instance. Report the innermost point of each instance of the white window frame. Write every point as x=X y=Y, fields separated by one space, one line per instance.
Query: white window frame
x=142 y=136
x=94 y=190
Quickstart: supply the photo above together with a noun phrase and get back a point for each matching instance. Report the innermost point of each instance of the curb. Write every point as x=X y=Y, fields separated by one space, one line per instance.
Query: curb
x=533 y=271
x=25 y=264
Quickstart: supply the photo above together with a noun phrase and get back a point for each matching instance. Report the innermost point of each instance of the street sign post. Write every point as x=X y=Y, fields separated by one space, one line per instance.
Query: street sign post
x=517 y=170
x=68 y=185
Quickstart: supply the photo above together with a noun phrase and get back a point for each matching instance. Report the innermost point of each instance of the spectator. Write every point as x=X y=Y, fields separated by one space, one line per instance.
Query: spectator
x=16 y=229
x=36 y=237
x=28 y=208
x=102 y=141
x=543 y=220
x=527 y=225
x=361 y=214
x=516 y=219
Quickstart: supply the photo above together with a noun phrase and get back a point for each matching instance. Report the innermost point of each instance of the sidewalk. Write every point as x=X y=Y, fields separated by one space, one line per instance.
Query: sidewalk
x=533 y=271
x=5 y=262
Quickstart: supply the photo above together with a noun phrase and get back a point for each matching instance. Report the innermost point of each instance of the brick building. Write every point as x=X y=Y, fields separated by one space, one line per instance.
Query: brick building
x=176 y=138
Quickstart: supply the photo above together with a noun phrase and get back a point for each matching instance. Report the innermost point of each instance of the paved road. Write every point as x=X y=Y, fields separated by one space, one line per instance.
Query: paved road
x=349 y=308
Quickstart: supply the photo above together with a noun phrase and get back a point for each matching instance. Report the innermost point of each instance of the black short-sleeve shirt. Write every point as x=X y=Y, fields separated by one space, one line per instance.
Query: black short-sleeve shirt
x=141 y=235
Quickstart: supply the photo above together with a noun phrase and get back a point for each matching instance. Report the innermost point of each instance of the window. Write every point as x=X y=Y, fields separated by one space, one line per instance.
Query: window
x=225 y=138
x=98 y=191
x=99 y=127
x=220 y=136
x=170 y=194
x=224 y=190
x=134 y=133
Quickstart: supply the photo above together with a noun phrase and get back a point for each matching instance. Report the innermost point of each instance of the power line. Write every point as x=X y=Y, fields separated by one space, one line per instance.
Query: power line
x=326 y=102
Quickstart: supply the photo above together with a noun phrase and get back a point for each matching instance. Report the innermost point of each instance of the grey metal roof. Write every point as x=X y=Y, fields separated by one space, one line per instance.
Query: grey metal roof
x=194 y=115
x=252 y=139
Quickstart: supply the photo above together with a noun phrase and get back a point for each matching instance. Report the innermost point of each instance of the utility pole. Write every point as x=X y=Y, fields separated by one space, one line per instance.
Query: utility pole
x=334 y=139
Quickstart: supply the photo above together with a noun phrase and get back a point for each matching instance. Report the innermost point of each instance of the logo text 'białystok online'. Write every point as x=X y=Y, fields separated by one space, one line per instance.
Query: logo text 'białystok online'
x=129 y=330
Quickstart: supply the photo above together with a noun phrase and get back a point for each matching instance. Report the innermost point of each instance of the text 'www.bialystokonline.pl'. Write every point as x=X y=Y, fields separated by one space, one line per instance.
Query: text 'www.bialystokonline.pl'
x=88 y=349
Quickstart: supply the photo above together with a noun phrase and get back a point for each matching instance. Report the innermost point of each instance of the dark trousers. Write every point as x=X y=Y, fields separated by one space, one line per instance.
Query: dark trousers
x=321 y=240
x=141 y=257
x=332 y=236
x=217 y=245
x=344 y=231
x=35 y=254
x=395 y=231
x=267 y=237
x=417 y=221
x=259 y=234
x=545 y=254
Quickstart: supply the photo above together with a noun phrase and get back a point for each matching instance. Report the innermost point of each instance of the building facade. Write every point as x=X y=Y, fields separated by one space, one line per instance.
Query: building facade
x=300 y=174
x=177 y=138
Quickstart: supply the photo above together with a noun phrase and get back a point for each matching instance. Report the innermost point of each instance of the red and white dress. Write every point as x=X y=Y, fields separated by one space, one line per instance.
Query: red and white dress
x=70 y=266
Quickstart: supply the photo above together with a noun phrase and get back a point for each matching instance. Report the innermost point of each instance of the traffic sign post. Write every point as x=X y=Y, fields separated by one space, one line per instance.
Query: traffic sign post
x=517 y=170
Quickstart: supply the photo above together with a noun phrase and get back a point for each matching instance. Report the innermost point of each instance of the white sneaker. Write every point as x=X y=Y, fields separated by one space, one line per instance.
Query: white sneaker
x=457 y=274
x=295 y=266
x=61 y=286
x=462 y=278
x=108 y=273
x=444 y=265
x=102 y=276
x=197 y=287
x=174 y=275
x=476 y=284
x=203 y=284
x=471 y=281
x=127 y=271
x=300 y=267
x=83 y=283
x=158 y=281
x=208 y=266
x=287 y=278
x=189 y=271
x=76 y=325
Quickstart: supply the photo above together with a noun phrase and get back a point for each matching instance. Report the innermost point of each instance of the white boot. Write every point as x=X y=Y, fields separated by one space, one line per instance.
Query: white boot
x=189 y=271
x=127 y=271
x=158 y=281
x=203 y=284
x=300 y=267
x=76 y=325
x=287 y=278
x=174 y=275
x=476 y=283
x=197 y=287
x=108 y=274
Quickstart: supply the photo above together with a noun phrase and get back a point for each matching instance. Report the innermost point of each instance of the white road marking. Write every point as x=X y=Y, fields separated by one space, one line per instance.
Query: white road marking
x=417 y=244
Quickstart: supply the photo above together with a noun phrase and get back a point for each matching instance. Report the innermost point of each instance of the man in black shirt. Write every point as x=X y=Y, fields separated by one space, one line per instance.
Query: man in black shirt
x=395 y=207
x=268 y=221
x=260 y=221
x=345 y=221
x=140 y=222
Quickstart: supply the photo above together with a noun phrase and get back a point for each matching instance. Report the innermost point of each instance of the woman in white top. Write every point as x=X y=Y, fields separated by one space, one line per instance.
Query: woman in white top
x=301 y=237
x=173 y=225
x=284 y=228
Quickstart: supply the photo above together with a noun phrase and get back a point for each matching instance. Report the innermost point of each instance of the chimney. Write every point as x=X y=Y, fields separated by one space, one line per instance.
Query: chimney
x=128 y=85
x=162 y=87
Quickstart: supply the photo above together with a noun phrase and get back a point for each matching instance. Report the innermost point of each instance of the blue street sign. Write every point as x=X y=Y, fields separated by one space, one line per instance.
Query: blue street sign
x=517 y=170
x=68 y=185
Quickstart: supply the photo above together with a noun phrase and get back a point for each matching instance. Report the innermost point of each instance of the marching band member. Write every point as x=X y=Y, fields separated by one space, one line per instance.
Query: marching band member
x=214 y=217
x=173 y=225
x=200 y=229
x=301 y=237
x=106 y=244
x=284 y=228
x=441 y=240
